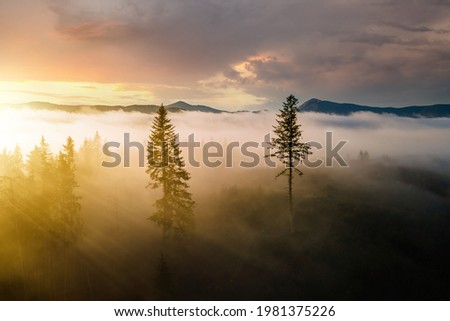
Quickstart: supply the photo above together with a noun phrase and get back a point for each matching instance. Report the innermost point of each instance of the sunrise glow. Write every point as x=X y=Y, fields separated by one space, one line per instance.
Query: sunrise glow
x=224 y=151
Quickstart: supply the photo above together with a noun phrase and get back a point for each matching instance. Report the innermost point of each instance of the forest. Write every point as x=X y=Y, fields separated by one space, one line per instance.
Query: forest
x=72 y=229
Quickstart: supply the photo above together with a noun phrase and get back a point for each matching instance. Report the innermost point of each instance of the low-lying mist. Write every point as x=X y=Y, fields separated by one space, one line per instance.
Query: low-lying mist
x=381 y=135
x=376 y=229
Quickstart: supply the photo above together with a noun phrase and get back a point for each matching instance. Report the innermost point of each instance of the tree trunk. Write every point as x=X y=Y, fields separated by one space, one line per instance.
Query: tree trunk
x=165 y=227
x=291 y=215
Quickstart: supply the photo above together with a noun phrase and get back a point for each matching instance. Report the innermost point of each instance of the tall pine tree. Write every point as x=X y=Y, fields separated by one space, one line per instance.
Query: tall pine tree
x=288 y=147
x=68 y=219
x=42 y=179
x=175 y=209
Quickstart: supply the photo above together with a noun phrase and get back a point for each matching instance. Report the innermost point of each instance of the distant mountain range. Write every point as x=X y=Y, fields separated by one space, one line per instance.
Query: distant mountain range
x=313 y=105
x=179 y=106
x=345 y=109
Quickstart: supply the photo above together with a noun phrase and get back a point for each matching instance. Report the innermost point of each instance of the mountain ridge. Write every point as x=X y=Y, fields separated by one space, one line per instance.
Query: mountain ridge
x=312 y=105
x=178 y=106
x=346 y=109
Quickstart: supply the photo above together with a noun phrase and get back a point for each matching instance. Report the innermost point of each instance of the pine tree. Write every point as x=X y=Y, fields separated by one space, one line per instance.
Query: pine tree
x=34 y=165
x=90 y=154
x=8 y=179
x=174 y=210
x=68 y=218
x=164 y=280
x=41 y=174
x=288 y=147
x=11 y=172
x=40 y=161
x=17 y=165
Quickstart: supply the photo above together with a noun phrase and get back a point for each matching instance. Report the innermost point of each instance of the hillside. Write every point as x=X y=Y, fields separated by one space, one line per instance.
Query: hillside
x=146 y=109
x=313 y=105
x=345 y=109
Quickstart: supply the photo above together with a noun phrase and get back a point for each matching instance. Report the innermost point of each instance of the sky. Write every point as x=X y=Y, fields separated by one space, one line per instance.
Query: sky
x=234 y=54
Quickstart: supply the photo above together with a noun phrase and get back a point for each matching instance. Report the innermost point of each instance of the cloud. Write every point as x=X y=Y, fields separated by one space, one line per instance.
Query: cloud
x=73 y=93
x=90 y=30
x=371 y=39
x=418 y=29
x=405 y=139
x=372 y=52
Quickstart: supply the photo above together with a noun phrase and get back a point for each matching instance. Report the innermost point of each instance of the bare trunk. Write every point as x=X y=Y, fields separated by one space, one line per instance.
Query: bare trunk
x=291 y=214
x=164 y=227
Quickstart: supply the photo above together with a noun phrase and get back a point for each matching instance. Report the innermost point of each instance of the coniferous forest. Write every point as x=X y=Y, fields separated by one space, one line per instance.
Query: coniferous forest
x=72 y=229
x=216 y=150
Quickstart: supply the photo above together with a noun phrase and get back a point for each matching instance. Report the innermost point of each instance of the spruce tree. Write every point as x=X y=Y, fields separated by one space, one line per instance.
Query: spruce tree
x=288 y=147
x=90 y=154
x=34 y=167
x=39 y=166
x=68 y=218
x=166 y=168
x=42 y=179
x=17 y=164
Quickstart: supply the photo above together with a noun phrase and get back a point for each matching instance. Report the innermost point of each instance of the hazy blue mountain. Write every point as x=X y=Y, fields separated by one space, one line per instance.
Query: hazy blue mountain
x=181 y=105
x=312 y=105
x=146 y=109
x=345 y=109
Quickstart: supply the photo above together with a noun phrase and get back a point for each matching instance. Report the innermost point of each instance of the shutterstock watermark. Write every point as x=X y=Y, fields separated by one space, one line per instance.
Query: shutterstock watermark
x=213 y=154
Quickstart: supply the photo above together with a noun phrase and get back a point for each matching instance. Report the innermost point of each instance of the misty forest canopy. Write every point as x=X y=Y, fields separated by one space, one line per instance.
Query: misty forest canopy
x=72 y=229
x=39 y=195
x=312 y=105
x=43 y=189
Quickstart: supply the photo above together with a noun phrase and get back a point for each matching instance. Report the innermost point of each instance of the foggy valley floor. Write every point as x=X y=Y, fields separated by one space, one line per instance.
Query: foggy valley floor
x=377 y=230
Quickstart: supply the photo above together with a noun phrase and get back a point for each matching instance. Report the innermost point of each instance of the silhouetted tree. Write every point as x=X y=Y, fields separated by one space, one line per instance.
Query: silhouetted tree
x=11 y=164
x=364 y=155
x=39 y=212
x=174 y=211
x=42 y=182
x=12 y=175
x=17 y=166
x=287 y=145
x=68 y=218
x=11 y=178
x=40 y=165
x=34 y=165
x=163 y=280
x=90 y=155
